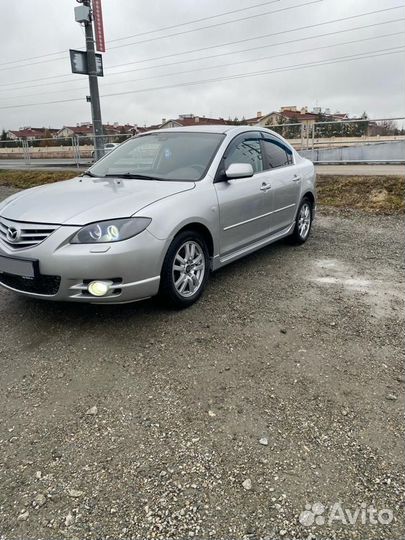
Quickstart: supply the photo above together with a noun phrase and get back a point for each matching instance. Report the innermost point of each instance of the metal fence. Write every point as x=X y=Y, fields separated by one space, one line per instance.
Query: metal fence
x=359 y=140
x=75 y=151
x=347 y=141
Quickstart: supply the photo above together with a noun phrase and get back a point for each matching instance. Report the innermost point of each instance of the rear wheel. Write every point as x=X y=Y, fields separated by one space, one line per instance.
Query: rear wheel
x=185 y=270
x=303 y=222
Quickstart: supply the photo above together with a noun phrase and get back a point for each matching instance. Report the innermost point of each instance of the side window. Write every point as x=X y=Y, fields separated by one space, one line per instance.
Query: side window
x=248 y=150
x=276 y=154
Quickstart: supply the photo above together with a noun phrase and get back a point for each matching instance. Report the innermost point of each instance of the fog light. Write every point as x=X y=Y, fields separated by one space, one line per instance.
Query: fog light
x=99 y=288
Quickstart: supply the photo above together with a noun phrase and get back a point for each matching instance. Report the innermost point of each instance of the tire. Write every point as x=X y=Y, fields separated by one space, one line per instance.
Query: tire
x=185 y=270
x=303 y=222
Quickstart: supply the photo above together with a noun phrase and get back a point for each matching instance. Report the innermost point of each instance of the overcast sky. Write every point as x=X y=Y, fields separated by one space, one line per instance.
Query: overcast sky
x=31 y=28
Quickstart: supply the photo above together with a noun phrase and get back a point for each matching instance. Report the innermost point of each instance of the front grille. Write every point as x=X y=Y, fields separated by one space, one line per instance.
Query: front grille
x=48 y=285
x=23 y=235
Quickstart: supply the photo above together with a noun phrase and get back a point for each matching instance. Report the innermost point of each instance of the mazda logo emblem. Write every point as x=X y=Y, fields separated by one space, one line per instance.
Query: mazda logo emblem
x=13 y=234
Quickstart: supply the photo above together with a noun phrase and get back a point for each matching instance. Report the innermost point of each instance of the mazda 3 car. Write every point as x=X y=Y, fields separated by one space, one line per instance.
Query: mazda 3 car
x=156 y=215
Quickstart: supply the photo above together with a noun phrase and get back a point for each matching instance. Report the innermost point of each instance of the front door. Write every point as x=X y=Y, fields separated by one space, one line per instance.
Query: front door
x=245 y=204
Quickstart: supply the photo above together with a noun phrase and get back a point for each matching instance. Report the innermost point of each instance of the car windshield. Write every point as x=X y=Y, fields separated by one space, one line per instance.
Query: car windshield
x=183 y=156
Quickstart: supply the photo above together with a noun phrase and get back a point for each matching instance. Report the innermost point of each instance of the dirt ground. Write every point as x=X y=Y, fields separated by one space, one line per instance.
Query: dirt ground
x=283 y=387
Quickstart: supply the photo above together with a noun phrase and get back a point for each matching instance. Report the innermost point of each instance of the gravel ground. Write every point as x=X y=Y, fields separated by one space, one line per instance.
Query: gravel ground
x=283 y=387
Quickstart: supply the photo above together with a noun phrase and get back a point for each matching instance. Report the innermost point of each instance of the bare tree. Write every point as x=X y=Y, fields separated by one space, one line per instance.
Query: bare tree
x=387 y=127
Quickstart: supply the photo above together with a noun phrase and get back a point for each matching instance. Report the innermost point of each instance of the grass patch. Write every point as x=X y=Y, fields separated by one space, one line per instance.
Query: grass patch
x=372 y=194
x=32 y=178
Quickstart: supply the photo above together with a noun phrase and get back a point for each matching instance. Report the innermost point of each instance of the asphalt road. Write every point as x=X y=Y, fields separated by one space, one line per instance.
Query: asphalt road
x=282 y=387
x=56 y=164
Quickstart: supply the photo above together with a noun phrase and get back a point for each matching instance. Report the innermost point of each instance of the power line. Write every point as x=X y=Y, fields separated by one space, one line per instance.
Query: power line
x=32 y=58
x=194 y=21
x=180 y=33
x=264 y=47
x=64 y=57
x=227 y=44
x=222 y=24
x=224 y=54
x=248 y=61
x=37 y=79
x=254 y=60
x=264 y=72
x=347 y=58
x=219 y=24
x=151 y=31
x=257 y=37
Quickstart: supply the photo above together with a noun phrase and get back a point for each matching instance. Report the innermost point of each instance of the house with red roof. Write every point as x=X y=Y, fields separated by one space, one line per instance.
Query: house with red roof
x=293 y=115
x=31 y=134
x=185 y=120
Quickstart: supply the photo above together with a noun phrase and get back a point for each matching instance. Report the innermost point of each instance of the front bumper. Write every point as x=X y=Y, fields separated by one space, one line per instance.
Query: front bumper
x=133 y=265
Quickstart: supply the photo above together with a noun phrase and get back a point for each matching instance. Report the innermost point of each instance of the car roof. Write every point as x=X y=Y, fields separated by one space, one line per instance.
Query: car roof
x=214 y=128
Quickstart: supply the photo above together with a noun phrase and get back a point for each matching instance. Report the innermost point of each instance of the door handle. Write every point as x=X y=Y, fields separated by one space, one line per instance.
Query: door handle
x=265 y=187
x=296 y=178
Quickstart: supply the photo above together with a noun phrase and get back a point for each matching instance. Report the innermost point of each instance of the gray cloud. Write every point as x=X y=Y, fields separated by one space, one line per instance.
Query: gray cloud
x=29 y=28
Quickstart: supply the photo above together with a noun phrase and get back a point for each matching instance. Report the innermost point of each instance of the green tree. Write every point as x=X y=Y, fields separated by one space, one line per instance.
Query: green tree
x=321 y=129
x=358 y=129
x=3 y=139
x=280 y=125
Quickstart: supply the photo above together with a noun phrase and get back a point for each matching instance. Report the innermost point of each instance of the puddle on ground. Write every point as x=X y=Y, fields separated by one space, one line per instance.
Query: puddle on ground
x=385 y=297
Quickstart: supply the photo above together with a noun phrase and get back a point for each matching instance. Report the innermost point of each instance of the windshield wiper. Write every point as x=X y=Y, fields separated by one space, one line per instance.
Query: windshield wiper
x=134 y=176
x=88 y=173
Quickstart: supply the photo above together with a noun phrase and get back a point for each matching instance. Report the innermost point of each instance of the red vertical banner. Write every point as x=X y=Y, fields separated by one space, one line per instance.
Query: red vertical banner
x=98 y=25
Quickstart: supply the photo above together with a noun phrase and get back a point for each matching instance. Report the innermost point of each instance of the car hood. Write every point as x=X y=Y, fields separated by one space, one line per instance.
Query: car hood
x=84 y=200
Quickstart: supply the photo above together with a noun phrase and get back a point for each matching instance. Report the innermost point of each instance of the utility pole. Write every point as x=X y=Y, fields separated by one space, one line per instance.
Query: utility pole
x=86 y=18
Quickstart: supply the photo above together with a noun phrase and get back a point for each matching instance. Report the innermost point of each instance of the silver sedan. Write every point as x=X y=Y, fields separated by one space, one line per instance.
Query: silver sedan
x=156 y=216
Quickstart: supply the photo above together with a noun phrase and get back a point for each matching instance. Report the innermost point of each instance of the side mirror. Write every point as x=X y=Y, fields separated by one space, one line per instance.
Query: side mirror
x=239 y=170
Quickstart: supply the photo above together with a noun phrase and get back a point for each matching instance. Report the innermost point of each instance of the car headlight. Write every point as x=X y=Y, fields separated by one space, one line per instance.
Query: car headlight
x=113 y=230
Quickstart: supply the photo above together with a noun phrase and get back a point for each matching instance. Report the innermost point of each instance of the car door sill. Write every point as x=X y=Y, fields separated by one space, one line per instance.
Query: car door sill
x=256 y=245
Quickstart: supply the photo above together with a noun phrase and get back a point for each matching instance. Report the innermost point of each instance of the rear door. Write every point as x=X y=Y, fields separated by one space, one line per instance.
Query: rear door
x=245 y=203
x=285 y=180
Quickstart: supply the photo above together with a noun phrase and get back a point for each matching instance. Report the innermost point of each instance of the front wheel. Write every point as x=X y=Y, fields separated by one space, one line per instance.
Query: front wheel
x=303 y=222
x=185 y=270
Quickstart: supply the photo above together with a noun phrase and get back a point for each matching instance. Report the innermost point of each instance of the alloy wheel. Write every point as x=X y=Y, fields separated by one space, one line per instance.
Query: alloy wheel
x=304 y=220
x=188 y=268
